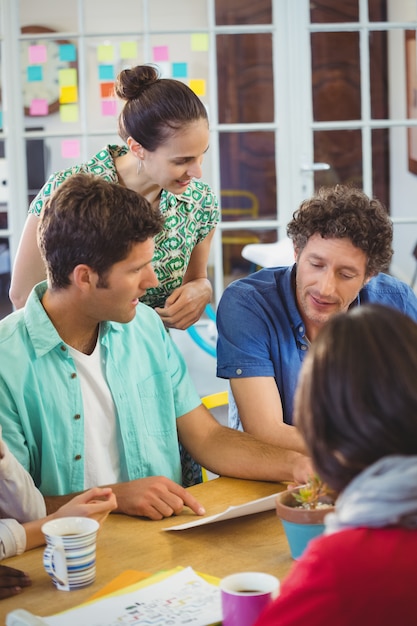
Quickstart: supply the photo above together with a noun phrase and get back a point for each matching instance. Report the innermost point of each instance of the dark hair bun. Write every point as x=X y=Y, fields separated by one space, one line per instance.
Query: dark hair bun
x=131 y=82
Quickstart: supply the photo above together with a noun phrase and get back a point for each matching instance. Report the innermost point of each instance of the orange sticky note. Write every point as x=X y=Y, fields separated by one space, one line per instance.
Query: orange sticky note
x=107 y=90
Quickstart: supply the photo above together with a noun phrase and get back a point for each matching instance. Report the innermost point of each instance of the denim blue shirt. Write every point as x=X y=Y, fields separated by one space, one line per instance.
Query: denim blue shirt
x=41 y=409
x=261 y=333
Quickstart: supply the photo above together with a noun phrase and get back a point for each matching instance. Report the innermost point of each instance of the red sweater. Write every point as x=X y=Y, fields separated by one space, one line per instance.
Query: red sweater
x=357 y=577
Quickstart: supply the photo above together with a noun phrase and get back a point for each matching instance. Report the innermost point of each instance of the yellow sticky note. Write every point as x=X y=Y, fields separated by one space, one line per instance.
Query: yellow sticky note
x=68 y=94
x=128 y=50
x=68 y=112
x=105 y=53
x=199 y=42
x=67 y=77
x=198 y=85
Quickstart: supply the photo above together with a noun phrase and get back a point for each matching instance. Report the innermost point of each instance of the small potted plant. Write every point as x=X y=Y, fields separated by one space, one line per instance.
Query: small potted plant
x=302 y=511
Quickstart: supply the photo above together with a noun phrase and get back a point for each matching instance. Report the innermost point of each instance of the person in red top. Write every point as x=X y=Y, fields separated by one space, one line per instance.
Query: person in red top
x=356 y=407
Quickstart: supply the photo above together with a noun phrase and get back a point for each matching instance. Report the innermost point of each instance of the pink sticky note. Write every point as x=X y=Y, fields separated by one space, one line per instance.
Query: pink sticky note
x=108 y=108
x=37 y=54
x=38 y=107
x=70 y=148
x=160 y=53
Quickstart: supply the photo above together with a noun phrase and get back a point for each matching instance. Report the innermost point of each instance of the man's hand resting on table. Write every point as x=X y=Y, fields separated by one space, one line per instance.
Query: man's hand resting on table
x=155 y=497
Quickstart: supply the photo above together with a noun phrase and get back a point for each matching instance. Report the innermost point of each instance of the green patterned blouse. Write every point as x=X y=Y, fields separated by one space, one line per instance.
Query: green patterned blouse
x=189 y=217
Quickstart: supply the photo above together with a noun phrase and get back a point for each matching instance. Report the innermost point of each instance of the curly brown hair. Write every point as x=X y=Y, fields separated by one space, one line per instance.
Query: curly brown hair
x=346 y=212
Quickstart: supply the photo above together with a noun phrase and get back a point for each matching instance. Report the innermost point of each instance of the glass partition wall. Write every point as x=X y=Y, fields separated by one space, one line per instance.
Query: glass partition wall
x=299 y=95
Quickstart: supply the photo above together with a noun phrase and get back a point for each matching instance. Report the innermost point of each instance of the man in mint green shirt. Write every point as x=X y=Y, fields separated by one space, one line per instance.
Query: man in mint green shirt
x=92 y=388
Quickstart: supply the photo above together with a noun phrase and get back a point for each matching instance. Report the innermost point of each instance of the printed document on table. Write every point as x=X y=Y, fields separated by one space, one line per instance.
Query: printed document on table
x=180 y=599
x=255 y=506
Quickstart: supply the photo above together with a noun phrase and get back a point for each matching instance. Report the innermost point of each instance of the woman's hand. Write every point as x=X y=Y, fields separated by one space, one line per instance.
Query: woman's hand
x=186 y=304
x=96 y=503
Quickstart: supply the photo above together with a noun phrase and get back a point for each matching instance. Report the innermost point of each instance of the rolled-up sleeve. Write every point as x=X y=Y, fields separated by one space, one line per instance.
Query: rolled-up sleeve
x=12 y=538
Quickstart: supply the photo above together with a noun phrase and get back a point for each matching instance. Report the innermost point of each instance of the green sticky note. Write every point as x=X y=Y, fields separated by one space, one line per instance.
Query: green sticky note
x=105 y=53
x=67 y=77
x=199 y=42
x=128 y=50
x=68 y=112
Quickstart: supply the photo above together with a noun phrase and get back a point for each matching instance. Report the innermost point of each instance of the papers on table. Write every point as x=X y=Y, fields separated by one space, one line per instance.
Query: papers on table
x=255 y=506
x=178 y=597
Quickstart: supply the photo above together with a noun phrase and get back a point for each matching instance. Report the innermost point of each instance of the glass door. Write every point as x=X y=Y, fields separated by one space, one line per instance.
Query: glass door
x=312 y=94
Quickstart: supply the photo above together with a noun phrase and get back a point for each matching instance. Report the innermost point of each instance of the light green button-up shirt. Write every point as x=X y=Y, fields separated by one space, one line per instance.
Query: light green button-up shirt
x=41 y=408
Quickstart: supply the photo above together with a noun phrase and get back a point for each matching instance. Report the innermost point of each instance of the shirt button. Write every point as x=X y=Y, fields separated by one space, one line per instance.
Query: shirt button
x=77 y=416
x=77 y=457
x=238 y=371
x=301 y=330
x=63 y=348
x=303 y=347
x=73 y=375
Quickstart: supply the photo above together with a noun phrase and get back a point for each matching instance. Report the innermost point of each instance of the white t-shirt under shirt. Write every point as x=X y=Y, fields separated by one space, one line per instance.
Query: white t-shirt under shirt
x=101 y=454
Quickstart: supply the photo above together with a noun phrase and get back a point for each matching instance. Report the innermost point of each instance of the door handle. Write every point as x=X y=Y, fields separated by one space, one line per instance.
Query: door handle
x=315 y=167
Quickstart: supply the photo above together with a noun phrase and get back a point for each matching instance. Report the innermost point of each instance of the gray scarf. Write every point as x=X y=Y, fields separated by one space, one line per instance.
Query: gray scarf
x=385 y=494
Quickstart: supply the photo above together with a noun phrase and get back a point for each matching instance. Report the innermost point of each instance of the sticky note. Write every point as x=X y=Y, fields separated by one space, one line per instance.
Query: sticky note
x=160 y=53
x=179 y=70
x=105 y=72
x=70 y=148
x=37 y=54
x=68 y=112
x=128 y=50
x=198 y=85
x=34 y=73
x=67 y=52
x=67 y=77
x=107 y=90
x=38 y=106
x=199 y=42
x=108 y=108
x=68 y=94
x=105 y=53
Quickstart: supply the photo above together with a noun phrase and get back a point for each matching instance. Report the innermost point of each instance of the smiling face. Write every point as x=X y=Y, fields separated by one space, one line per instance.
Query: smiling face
x=176 y=162
x=330 y=274
x=115 y=297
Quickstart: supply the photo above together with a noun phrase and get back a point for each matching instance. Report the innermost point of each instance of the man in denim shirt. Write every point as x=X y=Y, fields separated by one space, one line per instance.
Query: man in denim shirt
x=342 y=244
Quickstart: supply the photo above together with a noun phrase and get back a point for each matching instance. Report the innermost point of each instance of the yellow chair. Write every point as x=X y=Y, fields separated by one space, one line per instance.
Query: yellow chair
x=237 y=204
x=212 y=401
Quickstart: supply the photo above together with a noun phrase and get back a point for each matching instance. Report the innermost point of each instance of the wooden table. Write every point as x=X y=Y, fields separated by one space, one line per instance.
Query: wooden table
x=252 y=543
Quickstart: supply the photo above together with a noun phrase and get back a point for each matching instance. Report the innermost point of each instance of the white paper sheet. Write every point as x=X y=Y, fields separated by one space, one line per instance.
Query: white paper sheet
x=255 y=506
x=183 y=598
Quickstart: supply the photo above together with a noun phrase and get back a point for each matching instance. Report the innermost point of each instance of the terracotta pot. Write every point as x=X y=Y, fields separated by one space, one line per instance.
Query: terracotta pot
x=300 y=524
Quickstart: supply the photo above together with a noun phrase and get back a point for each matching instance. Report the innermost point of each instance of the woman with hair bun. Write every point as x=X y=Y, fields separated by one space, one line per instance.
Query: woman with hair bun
x=164 y=126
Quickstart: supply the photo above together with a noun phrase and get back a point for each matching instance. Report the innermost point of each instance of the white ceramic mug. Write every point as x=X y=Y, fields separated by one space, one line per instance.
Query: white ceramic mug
x=244 y=595
x=70 y=554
